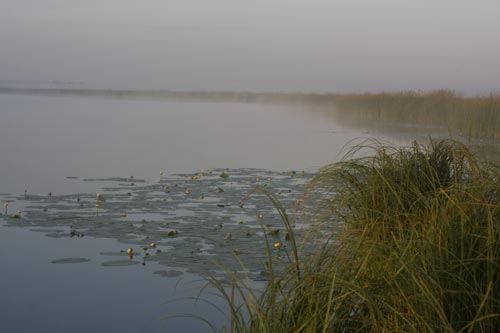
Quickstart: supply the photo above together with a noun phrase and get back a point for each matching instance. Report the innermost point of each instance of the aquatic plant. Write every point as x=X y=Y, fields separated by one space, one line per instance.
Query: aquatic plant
x=418 y=249
x=17 y=215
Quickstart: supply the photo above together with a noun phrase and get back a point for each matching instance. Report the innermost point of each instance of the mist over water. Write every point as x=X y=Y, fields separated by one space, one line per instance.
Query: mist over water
x=49 y=144
x=46 y=139
x=277 y=45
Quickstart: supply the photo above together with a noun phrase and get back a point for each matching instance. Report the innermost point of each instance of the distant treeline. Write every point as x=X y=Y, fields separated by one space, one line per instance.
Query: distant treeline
x=217 y=96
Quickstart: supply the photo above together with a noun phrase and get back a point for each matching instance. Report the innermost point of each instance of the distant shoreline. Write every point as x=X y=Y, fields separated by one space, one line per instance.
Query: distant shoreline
x=219 y=96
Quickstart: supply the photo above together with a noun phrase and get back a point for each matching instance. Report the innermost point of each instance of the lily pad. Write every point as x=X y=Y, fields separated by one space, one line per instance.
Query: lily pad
x=169 y=274
x=119 y=263
x=70 y=261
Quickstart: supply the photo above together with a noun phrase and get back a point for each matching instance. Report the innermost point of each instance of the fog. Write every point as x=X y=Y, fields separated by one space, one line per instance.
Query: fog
x=259 y=45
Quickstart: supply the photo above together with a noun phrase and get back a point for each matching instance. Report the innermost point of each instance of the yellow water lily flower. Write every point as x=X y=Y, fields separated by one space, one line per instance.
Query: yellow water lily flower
x=229 y=236
x=130 y=251
x=260 y=216
x=187 y=192
x=152 y=244
x=278 y=245
x=236 y=252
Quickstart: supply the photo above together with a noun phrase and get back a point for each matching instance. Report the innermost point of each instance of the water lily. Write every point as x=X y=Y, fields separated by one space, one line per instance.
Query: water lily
x=278 y=245
x=236 y=252
x=130 y=251
x=17 y=215
x=229 y=236
x=152 y=244
x=123 y=215
x=260 y=216
x=97 y=205
x=187 y=192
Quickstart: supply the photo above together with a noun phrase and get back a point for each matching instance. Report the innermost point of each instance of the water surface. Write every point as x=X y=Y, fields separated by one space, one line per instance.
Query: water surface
x=49 y=144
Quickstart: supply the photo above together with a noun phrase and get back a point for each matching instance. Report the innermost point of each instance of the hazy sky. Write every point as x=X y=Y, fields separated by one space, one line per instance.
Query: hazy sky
x=278 y=45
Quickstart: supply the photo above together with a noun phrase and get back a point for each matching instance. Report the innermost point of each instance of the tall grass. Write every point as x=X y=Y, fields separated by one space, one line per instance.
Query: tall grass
x=419 y=249
x=469 y=117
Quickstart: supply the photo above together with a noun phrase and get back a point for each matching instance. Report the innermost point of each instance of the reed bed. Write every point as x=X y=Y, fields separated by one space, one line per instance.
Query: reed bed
x=468 y=117
x=419 y=249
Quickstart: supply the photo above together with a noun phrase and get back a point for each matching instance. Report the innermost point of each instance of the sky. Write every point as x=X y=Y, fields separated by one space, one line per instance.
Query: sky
x=258 y=45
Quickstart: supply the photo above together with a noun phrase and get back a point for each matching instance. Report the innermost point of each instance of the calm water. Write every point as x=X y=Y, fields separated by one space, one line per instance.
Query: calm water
x=43 y=140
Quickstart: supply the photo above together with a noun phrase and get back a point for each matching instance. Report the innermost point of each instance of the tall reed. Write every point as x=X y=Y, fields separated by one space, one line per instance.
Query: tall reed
x=419 y=249
x=469 y=117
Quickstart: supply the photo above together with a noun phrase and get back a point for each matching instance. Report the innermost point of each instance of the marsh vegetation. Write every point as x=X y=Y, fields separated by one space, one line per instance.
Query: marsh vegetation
x=456 y=115
x=419 y=249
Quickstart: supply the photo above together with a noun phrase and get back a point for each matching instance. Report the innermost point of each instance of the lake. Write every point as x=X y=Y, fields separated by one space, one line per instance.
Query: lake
x=59 y=149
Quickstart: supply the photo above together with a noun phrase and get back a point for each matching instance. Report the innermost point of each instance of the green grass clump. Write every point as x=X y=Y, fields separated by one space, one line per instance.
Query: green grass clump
x=419 y=249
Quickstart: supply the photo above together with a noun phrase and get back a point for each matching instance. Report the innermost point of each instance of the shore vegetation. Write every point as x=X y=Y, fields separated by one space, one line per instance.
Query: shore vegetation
x=418 y=249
